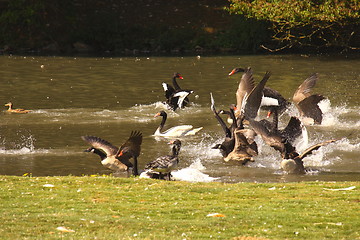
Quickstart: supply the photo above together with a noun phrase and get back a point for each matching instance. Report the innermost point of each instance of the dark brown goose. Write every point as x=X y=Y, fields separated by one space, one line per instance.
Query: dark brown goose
x=307 y=103
x=295 y=163
x=165 y=164
x=245 y=147
x=291 y=132
x=114 y=158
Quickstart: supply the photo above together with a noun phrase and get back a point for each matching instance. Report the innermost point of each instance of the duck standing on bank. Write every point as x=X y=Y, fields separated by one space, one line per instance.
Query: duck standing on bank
x=162 y=166
x=17 y=110
x=114 y=158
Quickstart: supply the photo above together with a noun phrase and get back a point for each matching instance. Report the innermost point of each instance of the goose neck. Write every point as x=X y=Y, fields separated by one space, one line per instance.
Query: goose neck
x=175 y=84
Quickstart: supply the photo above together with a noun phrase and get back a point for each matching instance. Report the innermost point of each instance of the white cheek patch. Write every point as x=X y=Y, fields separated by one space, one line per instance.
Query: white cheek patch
x=268 y=101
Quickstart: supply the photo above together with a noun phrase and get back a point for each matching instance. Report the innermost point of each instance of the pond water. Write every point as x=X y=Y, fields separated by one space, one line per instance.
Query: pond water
x=108 y=97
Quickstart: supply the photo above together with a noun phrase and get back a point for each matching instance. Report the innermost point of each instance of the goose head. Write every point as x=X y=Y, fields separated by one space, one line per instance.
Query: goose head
x=90 y=149
x=176 y=146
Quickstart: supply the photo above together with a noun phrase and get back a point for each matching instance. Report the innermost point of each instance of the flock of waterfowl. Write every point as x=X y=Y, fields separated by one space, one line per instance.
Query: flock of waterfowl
x=240 y=131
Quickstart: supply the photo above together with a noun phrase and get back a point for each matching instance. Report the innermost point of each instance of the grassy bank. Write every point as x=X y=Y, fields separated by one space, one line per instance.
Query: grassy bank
x=115 y=208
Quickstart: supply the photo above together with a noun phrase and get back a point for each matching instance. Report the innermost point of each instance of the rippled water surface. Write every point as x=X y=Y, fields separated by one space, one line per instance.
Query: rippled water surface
x=108 y=97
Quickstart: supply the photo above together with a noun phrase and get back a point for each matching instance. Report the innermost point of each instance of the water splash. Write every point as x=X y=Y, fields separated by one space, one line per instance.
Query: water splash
x=25 y=146
x=193 y=173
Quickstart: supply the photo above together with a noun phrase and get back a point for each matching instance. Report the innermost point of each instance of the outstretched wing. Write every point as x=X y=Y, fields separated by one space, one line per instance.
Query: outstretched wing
x=304 y=89
x=133 y=143
x=102 y=144
x=309 y=150
x=272 y=139
x=293 y=130
x=253 y=100
x=245 y=86
x=310 y=108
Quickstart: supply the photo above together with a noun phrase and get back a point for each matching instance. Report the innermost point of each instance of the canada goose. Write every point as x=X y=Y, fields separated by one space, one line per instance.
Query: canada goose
x=17 y=110
x=307 y=103
x=245 y=147
x=165 y=164
x=295 y=163
x=280 y=140
x=114 y=158
x=293 y=129
x=177 y=131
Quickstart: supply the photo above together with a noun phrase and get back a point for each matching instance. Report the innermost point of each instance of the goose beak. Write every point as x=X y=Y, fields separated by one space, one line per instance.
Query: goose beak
x=156 y=115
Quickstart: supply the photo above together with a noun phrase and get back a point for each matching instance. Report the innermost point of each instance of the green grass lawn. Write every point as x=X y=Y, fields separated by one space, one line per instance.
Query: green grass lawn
x=117 y=208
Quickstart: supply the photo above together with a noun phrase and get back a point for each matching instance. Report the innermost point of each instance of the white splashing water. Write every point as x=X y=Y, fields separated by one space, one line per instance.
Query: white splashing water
x=193 y=173
x=26 y=146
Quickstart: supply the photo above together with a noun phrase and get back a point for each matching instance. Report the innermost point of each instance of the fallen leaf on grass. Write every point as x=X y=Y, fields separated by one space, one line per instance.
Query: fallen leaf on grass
x=215 y=215
x=64 y=229
x=340 y=189
x=330 y=223
x=48 y=185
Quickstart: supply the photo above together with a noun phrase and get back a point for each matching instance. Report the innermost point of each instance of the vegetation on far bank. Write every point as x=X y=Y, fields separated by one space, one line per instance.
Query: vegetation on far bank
x=105 y=207
x=235 y=26
x=306 y=24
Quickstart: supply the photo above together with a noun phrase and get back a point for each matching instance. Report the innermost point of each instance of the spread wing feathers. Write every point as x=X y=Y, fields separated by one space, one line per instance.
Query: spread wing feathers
x=245 y=86
x=253 y=100
x=273 y=140
x=309 y=150
x=309 y=107
x=133 y=143
x=181 y=97
x=293 y=130
x=102 y=144
x=304 y=89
